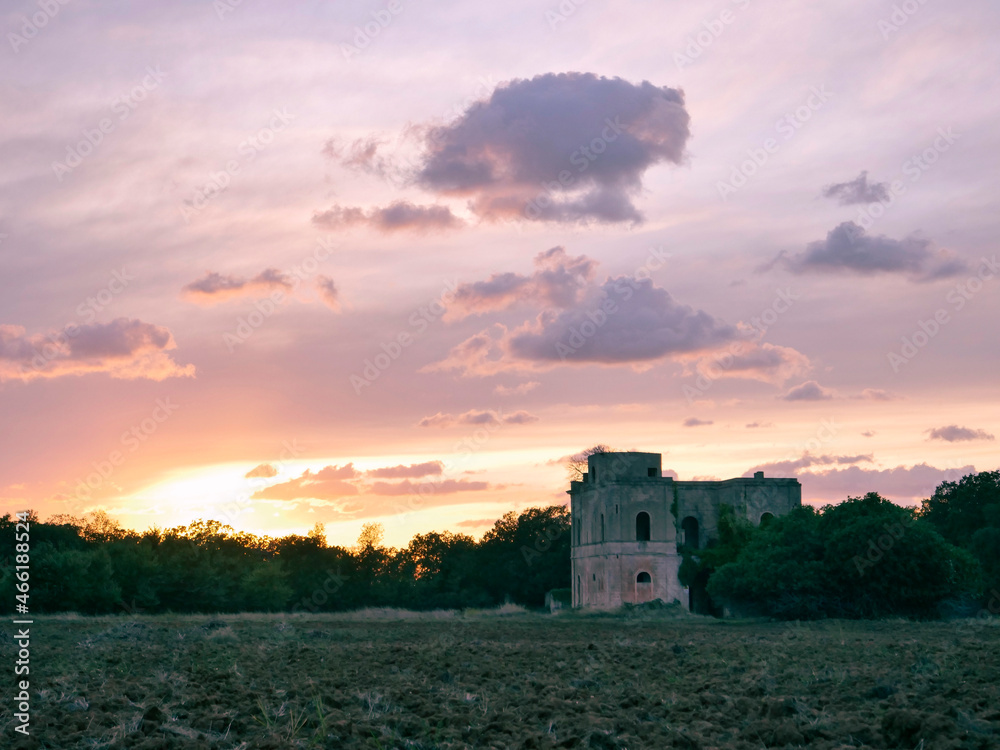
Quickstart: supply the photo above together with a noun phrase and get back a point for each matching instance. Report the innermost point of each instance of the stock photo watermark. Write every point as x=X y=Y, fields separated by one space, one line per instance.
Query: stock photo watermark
x=220 y=180
x=711 y=30
x=247 y=325
x=32 y=25
x=131 y=440
x=599 y=315
x=463 y=452
x=22 y=639
x=877 y=548
x=900 y=16
x=720 y=364
x=787 y=127
x=223 y=8
x=562 y=12
x=57 y=343
x=581 y=158
x=366 y=34
x=123 y=106
x=419 y=321
x=914 y=168
x=958 y=297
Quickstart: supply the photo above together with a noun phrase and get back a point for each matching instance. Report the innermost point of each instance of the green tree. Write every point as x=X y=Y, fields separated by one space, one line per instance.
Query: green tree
x=265 y=587
x=967 y=514
x=525 y=555
x=865 y=557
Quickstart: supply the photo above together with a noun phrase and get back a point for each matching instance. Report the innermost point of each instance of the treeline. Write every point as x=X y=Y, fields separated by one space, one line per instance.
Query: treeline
x=863 y=558
x=93 y=566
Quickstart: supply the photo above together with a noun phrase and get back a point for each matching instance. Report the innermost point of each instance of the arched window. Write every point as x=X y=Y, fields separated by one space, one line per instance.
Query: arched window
x=766 y=518
x=602 y=527
x=690 y=528
x=642 y=527
x=643 y=587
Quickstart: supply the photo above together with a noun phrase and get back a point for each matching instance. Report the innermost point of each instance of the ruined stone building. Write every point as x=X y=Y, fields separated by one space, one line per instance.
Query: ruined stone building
x=628 y=521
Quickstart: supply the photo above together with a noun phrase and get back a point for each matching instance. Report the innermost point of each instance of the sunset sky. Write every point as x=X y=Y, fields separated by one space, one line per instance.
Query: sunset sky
x=287 y=264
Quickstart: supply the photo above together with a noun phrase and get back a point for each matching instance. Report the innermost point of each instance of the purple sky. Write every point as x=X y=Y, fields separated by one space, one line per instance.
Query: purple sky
x=395 y=261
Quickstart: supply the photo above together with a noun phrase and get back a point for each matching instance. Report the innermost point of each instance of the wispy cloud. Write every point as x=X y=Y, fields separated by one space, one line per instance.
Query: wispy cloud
x=476 y=416
x=955 y=434
x=399 y=216
x=858 y=190
x=401 y=471
x=215 y=287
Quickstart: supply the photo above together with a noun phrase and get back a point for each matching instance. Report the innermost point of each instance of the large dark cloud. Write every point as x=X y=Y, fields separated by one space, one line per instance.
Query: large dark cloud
x=954 y=434
x=858 y=190
x=645 y=324
x=624 y=320
x=849 y=248
x=588 y=138
x=567 y=147
x=123 y=348
x=401 y=215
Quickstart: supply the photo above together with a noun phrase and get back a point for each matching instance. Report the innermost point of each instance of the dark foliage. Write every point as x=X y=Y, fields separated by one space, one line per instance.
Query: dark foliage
x=967 y=514
x=94 y=566
x=866 y=557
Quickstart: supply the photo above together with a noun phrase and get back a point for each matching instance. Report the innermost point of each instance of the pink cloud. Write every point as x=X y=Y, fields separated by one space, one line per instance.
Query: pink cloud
x=475 y=416
x=215 y=287
x=558 y=280
x=329 y=483
x=398 y=216
x=124 y=348
x=808 y=391
x=413 y=470
x=432 y=486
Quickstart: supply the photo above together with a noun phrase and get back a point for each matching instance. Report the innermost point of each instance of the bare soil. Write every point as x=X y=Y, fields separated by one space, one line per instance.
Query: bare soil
x=524 y=681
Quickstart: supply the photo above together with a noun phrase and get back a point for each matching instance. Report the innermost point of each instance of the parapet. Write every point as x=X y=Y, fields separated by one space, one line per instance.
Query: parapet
x=604 y=468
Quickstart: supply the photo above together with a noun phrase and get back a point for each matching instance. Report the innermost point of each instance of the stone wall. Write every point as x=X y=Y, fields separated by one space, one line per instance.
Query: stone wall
x=608 y=560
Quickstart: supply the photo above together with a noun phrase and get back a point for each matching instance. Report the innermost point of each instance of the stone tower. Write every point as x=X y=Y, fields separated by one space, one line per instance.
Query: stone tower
x=628 y=521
